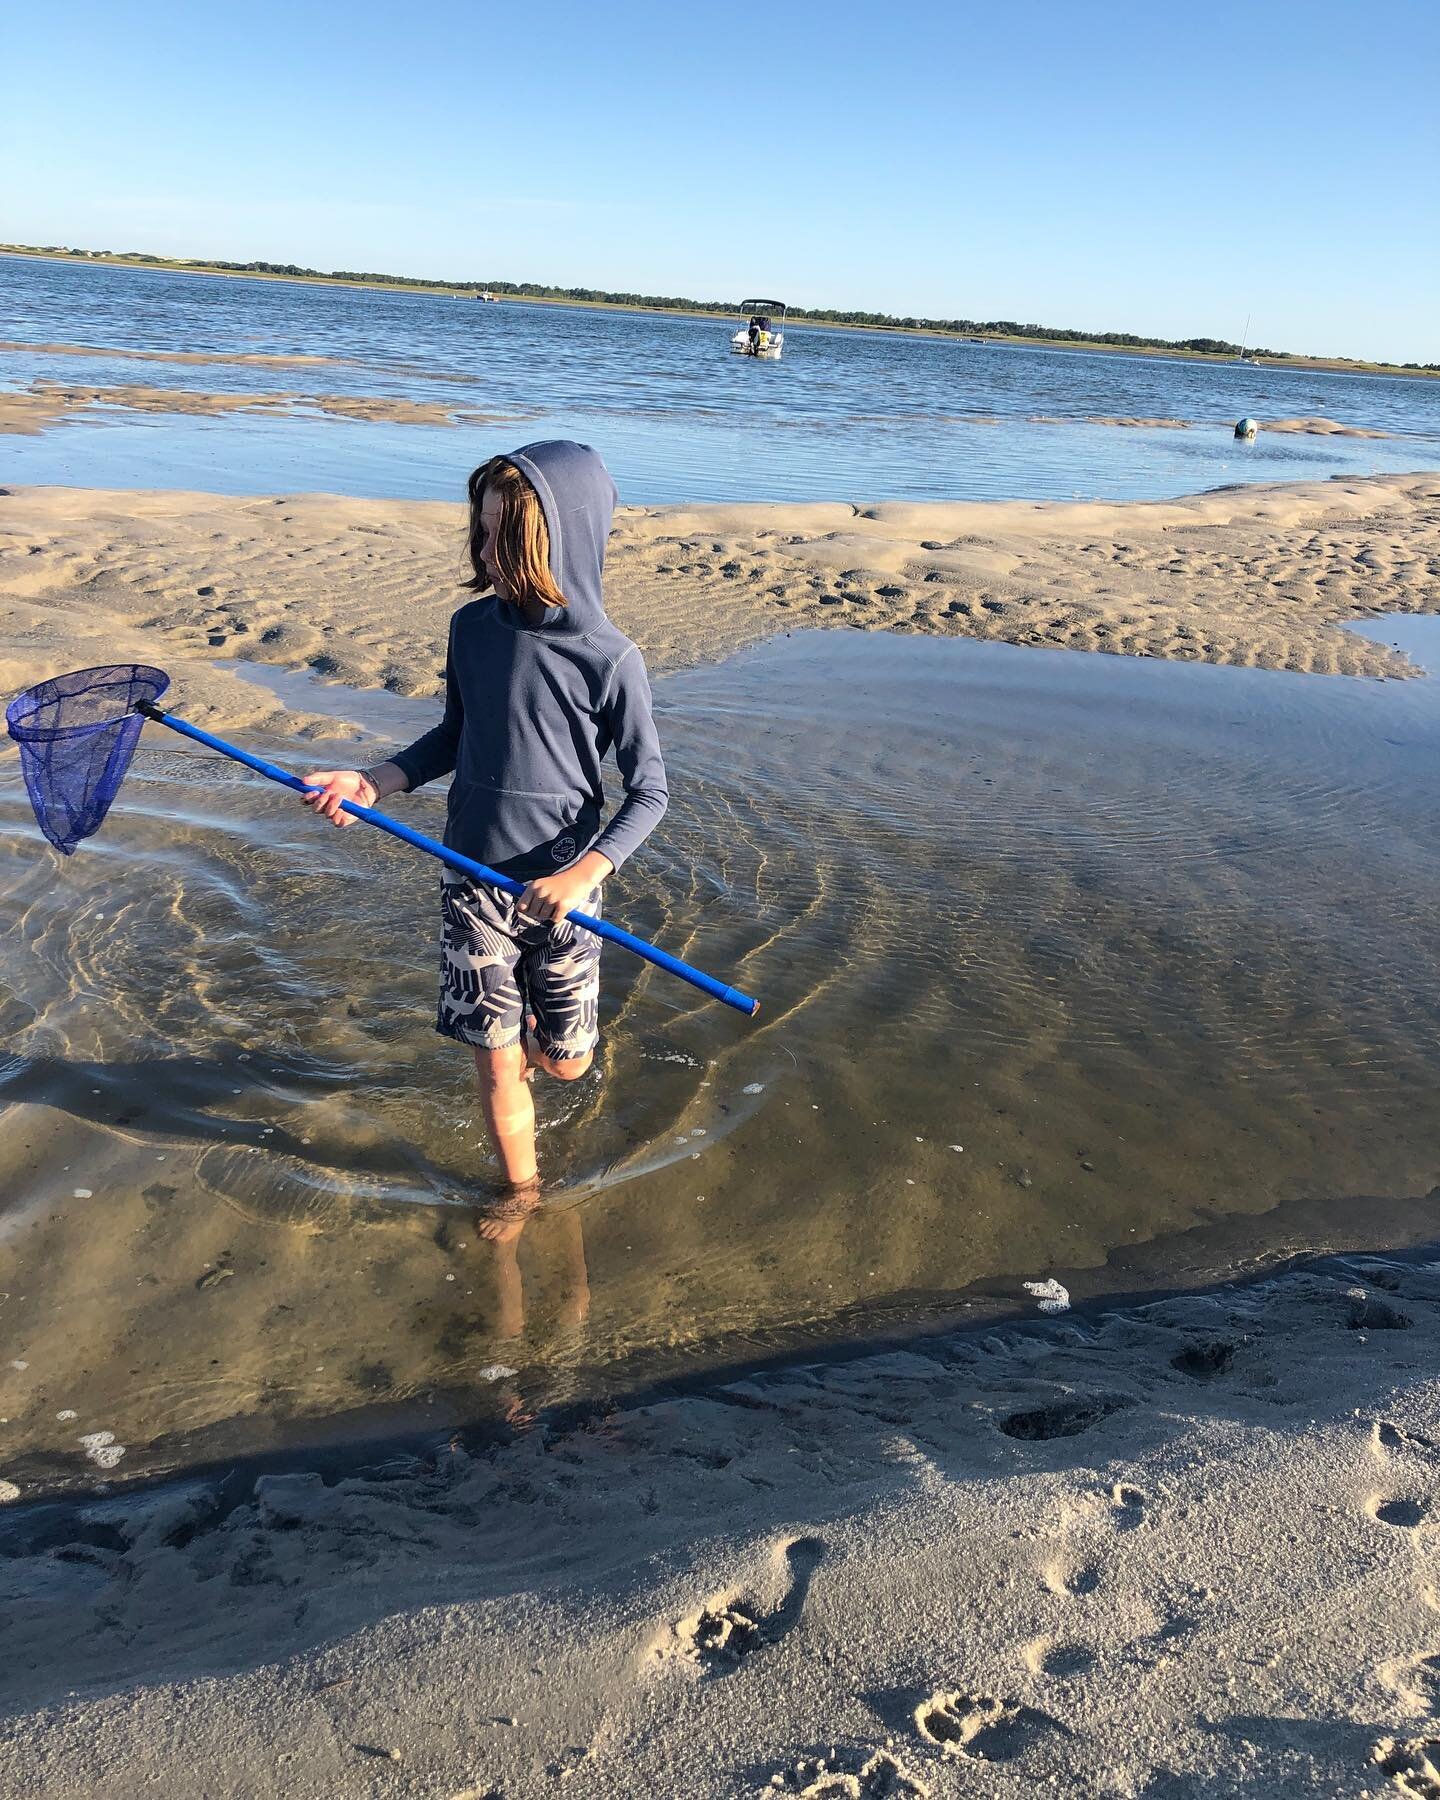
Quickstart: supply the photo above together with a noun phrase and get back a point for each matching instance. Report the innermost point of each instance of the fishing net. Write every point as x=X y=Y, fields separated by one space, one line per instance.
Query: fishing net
x=77 y=734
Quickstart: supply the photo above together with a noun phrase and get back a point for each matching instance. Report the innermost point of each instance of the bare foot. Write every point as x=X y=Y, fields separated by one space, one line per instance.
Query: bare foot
x=506 y=1216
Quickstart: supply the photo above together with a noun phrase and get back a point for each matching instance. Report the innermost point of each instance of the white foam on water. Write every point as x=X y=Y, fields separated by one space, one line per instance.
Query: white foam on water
x=755 y=1087
x=101 y=1448
x=8 y=1492
x=1053 y=1297
x=83 y=1193
x=496 y=1372
x=68 y=1414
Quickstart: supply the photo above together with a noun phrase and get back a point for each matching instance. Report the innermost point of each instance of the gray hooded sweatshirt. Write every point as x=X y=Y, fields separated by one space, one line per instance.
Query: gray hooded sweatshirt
x=532 y=710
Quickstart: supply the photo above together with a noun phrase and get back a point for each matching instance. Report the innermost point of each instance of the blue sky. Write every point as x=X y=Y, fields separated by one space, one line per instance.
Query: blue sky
x=1112 y=166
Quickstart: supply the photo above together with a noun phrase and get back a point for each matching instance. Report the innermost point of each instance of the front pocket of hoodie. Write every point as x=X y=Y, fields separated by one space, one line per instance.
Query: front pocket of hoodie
x=501 y=825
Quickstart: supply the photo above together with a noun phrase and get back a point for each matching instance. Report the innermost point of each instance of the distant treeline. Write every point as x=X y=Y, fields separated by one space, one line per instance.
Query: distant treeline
x=536 y=290
x=820 y=315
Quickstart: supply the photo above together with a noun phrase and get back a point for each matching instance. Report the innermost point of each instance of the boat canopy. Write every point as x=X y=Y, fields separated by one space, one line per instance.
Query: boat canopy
x=763 y=307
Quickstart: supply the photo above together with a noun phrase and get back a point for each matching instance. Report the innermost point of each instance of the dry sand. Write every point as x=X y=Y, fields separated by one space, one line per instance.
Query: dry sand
x=1187 y=1549
x=362 y=590
x=1183 y=1550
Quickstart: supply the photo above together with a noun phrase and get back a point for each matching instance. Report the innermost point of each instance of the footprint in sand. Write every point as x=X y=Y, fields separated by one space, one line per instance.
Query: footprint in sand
x=1413 y=1765
x=1370 y=1314
x=731 y=1627
x=1058 y=1661
x=1404 y=1513
x=1065 y=1580
x=1414 y=1680
x=1205 y=1360
x=1387 y=1439
x=980 y=1726
x=1066 y=1417
x=880 y=1776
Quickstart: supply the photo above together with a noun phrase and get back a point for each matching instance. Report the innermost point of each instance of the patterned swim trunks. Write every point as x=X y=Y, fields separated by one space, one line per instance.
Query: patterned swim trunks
x=495 y=968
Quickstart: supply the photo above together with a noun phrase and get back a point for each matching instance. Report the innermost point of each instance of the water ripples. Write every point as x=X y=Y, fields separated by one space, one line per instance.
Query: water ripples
x=847 y=414
x=1056 y=953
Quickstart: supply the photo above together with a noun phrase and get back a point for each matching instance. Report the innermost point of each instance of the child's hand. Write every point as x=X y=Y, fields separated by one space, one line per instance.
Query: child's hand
x=548 y=899
x=338 y=785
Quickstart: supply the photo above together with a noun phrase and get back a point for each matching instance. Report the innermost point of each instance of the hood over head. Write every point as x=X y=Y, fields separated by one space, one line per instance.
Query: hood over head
x=578 y=499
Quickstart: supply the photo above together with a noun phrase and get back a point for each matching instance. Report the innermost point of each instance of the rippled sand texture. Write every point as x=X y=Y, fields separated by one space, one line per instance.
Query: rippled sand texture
x=363 y=589
x=1067 y=962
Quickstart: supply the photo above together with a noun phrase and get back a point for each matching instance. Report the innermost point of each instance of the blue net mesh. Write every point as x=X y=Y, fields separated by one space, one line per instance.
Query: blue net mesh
x=77 y=734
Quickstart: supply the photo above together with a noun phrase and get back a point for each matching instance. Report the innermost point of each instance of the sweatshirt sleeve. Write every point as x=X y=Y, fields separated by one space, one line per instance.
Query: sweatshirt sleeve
x=637 y=756
x=435 y=754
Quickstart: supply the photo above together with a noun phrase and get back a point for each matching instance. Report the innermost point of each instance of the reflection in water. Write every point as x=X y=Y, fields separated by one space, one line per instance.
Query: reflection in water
x=1061 y=957
x=572 y=1306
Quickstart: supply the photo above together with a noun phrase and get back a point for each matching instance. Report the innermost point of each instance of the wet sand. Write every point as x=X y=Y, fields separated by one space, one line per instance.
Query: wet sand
x=1111 y=1557
x=258 y=358
x=1313 y=427
x=362 y=590
x=1182 y=1550
x=48 y=403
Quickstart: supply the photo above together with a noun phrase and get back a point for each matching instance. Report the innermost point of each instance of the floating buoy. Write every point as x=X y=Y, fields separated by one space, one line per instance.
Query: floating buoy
x=1246 y=429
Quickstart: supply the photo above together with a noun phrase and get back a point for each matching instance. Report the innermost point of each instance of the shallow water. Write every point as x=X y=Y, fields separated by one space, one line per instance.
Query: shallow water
x=855 y=415
x=1082 y=965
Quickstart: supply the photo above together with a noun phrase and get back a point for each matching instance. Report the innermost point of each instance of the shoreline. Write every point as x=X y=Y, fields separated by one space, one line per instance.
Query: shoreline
x=361 y=591
x=1333 y=365
x=1058 y=1550
x=1203 y=1263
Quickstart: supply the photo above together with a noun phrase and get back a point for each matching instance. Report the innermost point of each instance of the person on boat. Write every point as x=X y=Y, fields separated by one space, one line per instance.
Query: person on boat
x=753 y=348
x=539 y=687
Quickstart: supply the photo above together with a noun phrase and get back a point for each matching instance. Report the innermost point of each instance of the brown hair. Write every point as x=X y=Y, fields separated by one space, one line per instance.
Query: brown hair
x=521 y=550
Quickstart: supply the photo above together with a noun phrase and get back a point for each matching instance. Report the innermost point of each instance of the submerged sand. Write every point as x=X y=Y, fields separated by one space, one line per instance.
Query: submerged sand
x=258 y=358
x=28 y=412
x=1306 y=427
x=46 y=403
x=1183 y=1550
x=362 y=590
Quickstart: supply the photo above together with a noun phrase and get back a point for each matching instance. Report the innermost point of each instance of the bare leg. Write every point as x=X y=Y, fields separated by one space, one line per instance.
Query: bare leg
x=509 y=1111
x=569 y=1068
x=504 y=1077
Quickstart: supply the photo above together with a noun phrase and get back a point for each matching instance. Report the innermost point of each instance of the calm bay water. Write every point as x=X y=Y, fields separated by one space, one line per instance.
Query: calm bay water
x=846 y=415
x=1085 y=966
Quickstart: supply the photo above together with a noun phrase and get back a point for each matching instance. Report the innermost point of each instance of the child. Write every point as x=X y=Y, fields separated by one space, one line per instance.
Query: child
x=539 y=685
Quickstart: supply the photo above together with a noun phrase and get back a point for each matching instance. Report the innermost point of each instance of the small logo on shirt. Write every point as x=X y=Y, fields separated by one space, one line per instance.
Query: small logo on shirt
x=563 y=850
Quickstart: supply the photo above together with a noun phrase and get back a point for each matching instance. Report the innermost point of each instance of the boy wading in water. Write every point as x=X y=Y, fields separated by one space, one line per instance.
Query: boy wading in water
x=539 y=686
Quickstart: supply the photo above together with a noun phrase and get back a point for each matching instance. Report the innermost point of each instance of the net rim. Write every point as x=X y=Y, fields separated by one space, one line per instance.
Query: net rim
x=35 y=697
